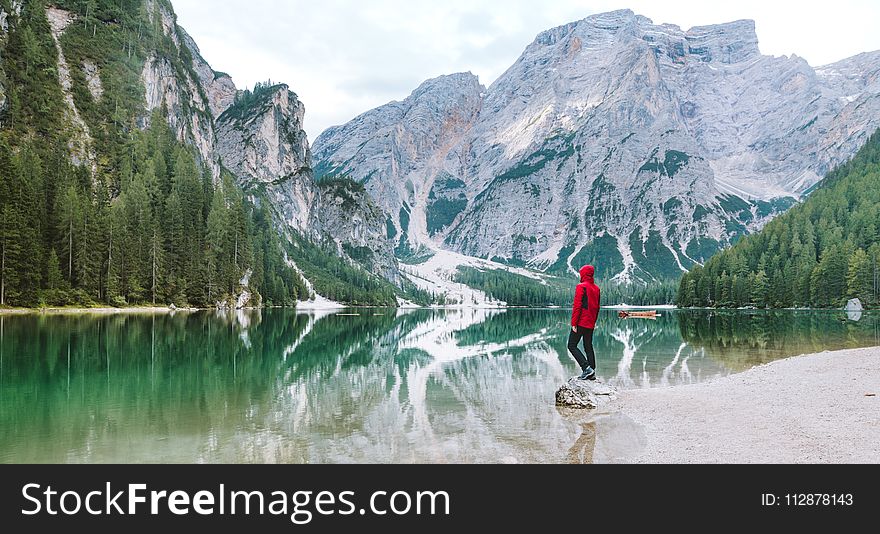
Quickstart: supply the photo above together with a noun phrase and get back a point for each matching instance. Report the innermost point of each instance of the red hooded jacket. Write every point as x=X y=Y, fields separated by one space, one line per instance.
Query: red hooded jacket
x=585 y=310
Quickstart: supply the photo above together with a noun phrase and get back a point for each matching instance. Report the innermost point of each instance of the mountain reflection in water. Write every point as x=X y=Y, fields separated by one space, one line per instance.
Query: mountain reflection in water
x=379 y=386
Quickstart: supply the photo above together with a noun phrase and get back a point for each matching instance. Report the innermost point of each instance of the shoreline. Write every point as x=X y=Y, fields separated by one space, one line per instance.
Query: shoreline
x=85 y=311
x=308 y=306
x=816 y=408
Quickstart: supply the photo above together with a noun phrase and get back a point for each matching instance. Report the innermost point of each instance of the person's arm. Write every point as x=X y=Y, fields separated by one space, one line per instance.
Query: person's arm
x=576 y=307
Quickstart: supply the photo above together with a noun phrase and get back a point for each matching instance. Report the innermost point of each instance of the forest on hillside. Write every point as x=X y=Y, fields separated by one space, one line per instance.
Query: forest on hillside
x=134 y=218
x=817 y=255
x=168 y=235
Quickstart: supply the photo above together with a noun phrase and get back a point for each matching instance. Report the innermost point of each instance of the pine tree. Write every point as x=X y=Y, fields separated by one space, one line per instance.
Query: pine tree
x=156 y=260
x=724 y=290
x=67 y=210
x=176 y=242
x=116 y=251
x=760 y=290
x=31 y=48
x=10 y=251
x=216 y=243
x=859 y=279
x=54 y=278
x=86 y=270
x=139 y=228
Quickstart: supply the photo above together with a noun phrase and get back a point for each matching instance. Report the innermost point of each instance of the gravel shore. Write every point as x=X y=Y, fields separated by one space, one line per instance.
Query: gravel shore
x=820 y=408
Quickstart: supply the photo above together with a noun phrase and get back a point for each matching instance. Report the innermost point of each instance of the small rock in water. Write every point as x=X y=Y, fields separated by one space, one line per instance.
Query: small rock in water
x=585 y=394
x=854 y=310
x=854 y=305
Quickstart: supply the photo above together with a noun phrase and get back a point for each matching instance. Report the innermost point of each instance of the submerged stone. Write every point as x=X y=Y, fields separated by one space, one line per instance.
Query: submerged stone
x=854 y=310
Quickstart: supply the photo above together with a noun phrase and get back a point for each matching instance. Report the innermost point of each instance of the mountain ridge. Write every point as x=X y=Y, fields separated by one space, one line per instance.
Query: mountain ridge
x=612 y=137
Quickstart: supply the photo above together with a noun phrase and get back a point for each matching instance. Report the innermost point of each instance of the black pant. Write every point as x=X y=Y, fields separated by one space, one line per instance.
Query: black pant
x=574 y=338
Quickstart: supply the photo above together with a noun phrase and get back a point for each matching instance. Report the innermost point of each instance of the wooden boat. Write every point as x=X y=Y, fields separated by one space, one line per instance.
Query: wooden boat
x=639 y=314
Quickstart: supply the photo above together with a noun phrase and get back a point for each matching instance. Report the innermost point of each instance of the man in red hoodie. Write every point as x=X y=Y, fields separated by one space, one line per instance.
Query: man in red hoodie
x=584 y=313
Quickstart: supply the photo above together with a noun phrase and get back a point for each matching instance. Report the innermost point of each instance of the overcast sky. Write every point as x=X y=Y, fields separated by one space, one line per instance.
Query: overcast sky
x=345 y=57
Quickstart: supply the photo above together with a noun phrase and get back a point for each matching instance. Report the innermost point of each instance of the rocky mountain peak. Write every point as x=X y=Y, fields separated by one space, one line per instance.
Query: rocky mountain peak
x=260 y=138
x=219 y=87
x=449 y=84
x=612 y=138
x=597 y=30
x=725 y=43
x=732 y=42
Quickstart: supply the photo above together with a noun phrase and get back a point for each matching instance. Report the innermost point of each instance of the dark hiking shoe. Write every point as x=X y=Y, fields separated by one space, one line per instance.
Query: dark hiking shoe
x=588 y=374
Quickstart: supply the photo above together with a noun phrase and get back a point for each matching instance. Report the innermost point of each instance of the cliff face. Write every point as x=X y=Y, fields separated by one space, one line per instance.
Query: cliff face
x=398 y=152
x=345 y=214
x=260 y=140
x=14 y=11
x=644 y=147
x=218 y=87
x=177 y=89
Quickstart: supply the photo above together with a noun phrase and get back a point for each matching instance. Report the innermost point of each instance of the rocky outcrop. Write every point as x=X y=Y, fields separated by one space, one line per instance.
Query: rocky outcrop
x=80 y=142
x=263 y=143
x=186 y=111
x=174 y=86
x=397 y=151
x=585 y=394
x=217 y=86
x=854 y=310
x=259 y=138
x=346 y=214
x=5 y=17
x=5 y=21
x=612 y=139
x=93 y=80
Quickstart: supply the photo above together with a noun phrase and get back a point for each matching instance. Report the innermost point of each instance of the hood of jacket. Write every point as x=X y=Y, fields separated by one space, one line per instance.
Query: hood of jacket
x=588 y=272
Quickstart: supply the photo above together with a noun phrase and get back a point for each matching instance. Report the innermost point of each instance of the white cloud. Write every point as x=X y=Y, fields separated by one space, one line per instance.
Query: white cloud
x=345 y=57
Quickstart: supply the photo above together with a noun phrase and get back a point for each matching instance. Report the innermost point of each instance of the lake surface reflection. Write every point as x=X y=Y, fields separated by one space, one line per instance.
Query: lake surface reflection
x=381 y=386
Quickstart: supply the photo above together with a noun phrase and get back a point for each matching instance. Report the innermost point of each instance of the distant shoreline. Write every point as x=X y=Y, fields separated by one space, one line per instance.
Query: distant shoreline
x=96 y=311
x=106 y=310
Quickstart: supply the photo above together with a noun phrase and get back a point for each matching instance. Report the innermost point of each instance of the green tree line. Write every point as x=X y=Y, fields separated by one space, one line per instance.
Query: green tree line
x=518 y=290
x=140 y=223
x=819 y=254
x=144 y=221
x=169 y=235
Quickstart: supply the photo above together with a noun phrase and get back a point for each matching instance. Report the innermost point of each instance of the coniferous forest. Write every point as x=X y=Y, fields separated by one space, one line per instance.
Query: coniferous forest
x=143 y=223
x=519 y=290
x=817 y=255
x=167 y=234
